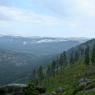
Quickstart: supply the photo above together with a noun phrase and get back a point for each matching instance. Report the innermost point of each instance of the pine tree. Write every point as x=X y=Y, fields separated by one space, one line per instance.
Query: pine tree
x=57 y=64
x=76 y=56
x=53 y=68
x=82 y=52
x=65 y=58
x=48 y=71
x=40 y=73
x=71 y=58
x=34 y=74
x=87 y=58
x=93 y=55
x=61 y=61
x=34 y=77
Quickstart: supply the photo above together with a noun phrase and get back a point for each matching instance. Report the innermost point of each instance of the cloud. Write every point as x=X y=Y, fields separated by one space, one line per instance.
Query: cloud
x=55 y=7
x=11 y=14
x=7 y=13
x=14 y=14
x=87 y=6
x=66 y=8
x=51 y=16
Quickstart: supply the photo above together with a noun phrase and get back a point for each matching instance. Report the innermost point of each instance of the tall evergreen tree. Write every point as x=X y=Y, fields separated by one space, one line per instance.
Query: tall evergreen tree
x=35 y=77
x=34 y=74
x=87 y=58
x=53 y=68
x=48 y=71
x=65 y=58
x=61 y=61
x=93 y=55
x=40 y=73
x=72 y=58
x=57 y=64
x=77 y=55
x=82 y=52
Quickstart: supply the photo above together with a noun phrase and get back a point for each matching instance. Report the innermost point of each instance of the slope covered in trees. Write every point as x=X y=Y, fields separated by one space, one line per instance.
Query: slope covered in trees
x=73 y=70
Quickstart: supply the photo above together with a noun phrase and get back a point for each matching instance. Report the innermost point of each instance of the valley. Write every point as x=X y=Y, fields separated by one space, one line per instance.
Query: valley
x=19 y=56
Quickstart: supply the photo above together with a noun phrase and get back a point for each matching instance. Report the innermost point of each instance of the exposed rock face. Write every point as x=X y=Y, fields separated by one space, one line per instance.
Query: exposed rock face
x=60 y=90
x=84 y=85
x=18 y=89
x=12 y=89
x=84 y=82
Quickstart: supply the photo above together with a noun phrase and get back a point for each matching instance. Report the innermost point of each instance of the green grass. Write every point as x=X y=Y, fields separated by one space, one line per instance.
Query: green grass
x=69 y=77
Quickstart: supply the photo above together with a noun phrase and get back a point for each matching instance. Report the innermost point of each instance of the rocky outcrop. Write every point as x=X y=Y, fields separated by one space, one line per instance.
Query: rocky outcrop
x=19 y=89
x=12 y=89
x=85 y=85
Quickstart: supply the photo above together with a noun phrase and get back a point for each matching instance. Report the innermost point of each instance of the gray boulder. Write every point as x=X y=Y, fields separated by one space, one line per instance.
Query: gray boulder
x=83 y=82
x=60 y=90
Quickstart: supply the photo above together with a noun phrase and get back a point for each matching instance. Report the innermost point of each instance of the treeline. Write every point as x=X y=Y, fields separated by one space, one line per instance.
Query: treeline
x=85 y=52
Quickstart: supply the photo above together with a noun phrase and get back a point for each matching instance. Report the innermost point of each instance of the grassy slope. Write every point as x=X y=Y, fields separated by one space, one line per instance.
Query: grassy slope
x=69 y=78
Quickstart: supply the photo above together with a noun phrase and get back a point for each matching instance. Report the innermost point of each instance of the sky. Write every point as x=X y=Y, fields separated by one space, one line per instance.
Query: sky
x=48 y=18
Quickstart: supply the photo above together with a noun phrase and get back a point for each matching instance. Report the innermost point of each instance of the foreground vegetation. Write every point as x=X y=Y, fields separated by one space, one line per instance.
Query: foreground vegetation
x=72 y=73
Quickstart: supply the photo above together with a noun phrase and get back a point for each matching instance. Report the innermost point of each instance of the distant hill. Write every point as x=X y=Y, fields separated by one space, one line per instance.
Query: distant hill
x=20 y=55
x=39 y=45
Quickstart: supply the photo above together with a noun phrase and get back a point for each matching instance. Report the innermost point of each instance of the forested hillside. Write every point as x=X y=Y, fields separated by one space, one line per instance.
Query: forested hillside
x=71 y=73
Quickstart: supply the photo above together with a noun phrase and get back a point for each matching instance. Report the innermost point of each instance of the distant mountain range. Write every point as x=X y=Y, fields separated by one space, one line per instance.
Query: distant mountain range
x=19 y=55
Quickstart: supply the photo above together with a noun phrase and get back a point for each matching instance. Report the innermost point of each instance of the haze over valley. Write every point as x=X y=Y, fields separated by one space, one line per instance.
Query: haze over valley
x=20 y=55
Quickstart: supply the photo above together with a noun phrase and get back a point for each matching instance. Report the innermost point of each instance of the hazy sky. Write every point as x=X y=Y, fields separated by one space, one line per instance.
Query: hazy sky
x=56 y=18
